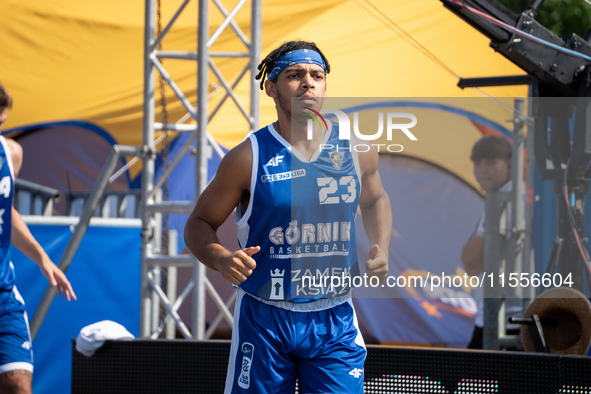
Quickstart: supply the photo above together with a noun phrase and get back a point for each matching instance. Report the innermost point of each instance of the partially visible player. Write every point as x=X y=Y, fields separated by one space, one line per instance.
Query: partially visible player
x=295 y=200
x=16 y=353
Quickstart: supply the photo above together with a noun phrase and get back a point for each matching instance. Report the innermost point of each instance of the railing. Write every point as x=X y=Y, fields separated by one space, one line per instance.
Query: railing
x=34 y=199
x=38 y=200
x=113 y=203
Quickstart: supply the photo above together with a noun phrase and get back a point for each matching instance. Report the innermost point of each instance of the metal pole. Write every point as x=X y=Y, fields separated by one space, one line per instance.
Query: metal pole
x=89 y=207
x=255 y=50
x=156 y=271
x=518 y=216
x=492 y=265
x=515 y=229
x=148 y=167
x=530 y=163
x=517 y=224
x=172 y=281
x=198 y=317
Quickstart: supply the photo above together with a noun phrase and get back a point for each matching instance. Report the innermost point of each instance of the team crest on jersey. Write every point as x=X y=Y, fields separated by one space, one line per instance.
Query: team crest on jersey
x=337 y=159
x=277 y=284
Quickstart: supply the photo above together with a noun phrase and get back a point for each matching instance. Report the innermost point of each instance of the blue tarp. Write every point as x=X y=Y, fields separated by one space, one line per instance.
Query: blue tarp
x=105 y=274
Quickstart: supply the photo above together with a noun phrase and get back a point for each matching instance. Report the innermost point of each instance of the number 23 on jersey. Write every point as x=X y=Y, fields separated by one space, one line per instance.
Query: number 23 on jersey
x=329 y=186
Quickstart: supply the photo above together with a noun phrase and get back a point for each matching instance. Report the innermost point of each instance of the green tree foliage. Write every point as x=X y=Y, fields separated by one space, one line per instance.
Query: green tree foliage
x=562 y=17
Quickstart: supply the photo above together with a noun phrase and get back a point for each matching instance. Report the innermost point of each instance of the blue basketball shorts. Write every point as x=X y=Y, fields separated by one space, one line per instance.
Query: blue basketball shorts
x=272 y=346
x=16 y=350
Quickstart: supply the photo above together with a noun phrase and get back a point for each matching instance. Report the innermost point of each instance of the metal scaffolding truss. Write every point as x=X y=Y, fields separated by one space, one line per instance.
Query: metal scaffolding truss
x=153 y=295
x=508 y=242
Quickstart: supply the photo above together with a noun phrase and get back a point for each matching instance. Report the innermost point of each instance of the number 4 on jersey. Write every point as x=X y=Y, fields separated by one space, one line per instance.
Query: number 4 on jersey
x=5 y=186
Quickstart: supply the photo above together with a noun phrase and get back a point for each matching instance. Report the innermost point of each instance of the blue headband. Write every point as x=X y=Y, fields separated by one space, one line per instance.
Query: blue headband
x=295 y=57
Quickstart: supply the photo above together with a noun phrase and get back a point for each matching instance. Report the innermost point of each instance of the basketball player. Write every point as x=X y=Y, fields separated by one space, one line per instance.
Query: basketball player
x=295 y=198
x=16 y=353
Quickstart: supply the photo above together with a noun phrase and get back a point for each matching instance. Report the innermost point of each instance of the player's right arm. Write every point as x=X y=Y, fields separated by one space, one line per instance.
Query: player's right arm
x=23 y=240
x=230 y=186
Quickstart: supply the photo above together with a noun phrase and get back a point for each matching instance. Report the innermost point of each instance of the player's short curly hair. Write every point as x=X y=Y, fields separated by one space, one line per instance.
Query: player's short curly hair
x=491 y=147
x=5 y=98
x=268 y=63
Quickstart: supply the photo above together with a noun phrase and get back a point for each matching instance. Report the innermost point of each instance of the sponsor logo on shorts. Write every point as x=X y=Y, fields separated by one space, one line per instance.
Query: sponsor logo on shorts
x=247 y=356
x=283 y=176
x=27 y=345
x=356 y=372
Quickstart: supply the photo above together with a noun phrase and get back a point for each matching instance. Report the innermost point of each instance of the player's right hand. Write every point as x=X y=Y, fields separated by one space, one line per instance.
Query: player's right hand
x=238 y=266
x=57 y=279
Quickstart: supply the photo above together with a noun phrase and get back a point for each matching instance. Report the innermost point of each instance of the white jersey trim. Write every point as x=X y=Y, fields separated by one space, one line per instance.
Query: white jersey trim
x=355 y=157
x=26 y=317
x=359 y=338
x=235 y=344
x=242 y=222
x=295 y=152
x=16 y=365
x=16 y=293
x=8 y=156
x=314 y=306
x=278 y=137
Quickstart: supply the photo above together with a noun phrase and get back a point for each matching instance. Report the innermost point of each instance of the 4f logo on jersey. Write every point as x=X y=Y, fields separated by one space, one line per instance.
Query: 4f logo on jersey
x=356 y=372
x=274 y=162
x=247 y=357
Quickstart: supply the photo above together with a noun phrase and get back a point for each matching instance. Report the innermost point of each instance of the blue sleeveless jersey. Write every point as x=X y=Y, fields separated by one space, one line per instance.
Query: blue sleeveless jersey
x=10 y=300
x=302 y=215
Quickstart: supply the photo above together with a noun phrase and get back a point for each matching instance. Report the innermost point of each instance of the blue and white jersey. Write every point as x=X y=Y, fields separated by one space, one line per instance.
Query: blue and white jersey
x=302 y=215
x=10 y=299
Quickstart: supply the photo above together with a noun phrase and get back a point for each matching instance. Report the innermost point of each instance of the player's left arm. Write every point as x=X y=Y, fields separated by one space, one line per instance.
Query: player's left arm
x=376 y=213
x=24 y=241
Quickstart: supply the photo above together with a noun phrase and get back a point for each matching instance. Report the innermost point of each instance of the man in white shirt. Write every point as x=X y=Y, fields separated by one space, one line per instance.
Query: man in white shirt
x=491 y=156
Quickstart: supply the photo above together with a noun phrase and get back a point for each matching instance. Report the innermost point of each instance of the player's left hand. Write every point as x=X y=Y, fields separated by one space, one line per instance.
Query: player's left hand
x=58 y=279
x=377 y=265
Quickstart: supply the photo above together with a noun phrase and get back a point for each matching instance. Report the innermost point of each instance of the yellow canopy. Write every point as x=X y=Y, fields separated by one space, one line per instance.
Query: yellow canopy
x=65 y=59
